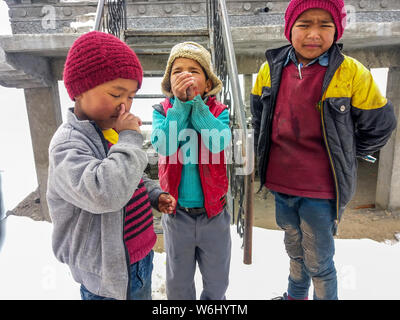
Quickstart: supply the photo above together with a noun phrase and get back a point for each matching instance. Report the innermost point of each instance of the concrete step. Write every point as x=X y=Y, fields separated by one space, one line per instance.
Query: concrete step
x=160 y=41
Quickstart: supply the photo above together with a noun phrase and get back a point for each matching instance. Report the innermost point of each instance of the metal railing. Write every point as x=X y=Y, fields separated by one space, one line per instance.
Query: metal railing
x=111 y=17
x=240 y=181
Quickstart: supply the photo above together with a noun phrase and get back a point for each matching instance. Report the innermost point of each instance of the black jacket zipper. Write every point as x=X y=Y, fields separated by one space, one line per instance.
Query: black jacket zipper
x=334 y=64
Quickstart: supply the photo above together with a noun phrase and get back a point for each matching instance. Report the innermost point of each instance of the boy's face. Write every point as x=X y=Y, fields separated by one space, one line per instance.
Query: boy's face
x=200 y=84
x=103 y=103
x=313 y=33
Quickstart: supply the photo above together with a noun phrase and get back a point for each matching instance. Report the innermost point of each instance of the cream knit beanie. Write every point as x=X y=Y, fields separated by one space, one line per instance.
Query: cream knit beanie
x=195 y=51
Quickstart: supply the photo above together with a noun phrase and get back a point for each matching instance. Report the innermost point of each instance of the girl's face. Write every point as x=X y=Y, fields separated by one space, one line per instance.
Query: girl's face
x=313 y=33
x=201 y=84
x=103 y=103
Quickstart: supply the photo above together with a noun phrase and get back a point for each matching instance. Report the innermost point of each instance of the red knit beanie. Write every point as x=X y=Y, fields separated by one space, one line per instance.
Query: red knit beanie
x=334 y=7
x=97 y=57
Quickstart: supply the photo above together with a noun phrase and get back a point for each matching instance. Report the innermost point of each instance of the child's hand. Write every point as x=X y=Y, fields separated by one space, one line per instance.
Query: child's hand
x=166 y=203
x=191 y=92
x=180 y=85
x=127 y=121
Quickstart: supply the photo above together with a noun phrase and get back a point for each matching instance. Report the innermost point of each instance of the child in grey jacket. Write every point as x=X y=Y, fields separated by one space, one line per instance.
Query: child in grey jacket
x=98 y=196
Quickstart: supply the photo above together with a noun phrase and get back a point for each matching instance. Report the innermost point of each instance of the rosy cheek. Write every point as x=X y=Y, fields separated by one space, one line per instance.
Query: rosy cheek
x=108 y=106
x=109 y=102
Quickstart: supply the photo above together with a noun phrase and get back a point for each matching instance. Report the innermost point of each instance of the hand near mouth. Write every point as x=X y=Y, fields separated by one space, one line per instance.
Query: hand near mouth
x=127 y=121
x=180 y=85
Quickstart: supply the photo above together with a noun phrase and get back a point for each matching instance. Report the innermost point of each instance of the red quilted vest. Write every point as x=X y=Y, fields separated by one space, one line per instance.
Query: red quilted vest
x=213 y=176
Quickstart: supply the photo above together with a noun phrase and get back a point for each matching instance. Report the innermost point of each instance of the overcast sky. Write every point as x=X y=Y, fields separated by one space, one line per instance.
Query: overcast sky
x=16 y=156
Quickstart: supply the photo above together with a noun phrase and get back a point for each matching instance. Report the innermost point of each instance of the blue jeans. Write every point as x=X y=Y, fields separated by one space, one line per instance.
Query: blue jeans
x=140 y=282
x=308 y=224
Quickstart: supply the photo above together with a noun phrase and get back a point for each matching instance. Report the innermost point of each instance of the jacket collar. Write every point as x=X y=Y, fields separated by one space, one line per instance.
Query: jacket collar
x=323 y=59
x=278 y=55
x=336 y=58
x=89 y=128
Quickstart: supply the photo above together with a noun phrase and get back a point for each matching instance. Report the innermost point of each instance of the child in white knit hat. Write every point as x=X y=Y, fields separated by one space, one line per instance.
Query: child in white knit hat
x=193 y=171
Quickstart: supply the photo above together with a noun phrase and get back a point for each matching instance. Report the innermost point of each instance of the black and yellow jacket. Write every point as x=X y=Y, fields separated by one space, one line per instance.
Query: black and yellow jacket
x=356 y=119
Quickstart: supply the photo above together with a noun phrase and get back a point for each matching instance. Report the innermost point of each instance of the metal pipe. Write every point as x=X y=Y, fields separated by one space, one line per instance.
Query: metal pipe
x=238 y=105
x=249 y=218
x=99 y=15
x=232 y=67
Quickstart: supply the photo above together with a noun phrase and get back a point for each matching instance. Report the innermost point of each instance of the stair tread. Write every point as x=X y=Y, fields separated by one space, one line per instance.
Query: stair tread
x=160 y=41
x=165 y=32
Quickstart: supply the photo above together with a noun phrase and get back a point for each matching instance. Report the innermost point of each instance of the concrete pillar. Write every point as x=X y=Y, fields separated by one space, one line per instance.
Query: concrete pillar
x=44 y=113
x=388 y=183
x=248 y=86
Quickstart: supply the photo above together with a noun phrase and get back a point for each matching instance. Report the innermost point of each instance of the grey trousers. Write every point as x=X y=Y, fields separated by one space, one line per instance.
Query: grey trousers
x=189 y=239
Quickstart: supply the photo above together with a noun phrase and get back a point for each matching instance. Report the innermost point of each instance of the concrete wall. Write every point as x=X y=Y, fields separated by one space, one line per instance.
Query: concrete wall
x=388 y=184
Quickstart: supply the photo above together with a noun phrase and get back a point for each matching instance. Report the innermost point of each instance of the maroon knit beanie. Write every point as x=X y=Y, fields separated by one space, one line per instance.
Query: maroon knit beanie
x=334 y=7
x=97 y=57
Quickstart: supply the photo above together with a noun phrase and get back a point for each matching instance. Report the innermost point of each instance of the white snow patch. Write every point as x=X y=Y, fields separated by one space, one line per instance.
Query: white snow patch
x=366 y=269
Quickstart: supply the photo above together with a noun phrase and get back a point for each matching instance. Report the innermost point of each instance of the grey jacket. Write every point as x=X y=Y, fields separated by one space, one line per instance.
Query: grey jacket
x=88 y=188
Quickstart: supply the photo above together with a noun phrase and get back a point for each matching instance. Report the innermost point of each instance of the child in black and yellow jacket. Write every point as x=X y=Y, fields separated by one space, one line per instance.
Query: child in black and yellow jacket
x=314 y=112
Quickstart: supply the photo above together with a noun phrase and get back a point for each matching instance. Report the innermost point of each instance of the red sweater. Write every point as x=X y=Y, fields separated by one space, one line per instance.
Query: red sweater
x=139 y=235
x=298 y=163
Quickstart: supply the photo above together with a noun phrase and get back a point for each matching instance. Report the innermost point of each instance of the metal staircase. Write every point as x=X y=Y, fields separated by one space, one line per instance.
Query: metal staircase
x=111 y=17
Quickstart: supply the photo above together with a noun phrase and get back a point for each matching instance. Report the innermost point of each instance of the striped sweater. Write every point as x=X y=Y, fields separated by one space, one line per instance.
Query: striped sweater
x=139 y=235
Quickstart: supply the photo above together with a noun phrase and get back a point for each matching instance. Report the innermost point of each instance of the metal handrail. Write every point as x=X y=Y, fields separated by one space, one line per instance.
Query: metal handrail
x=113 y=19
x=99 y=16
x=241 y=184
x=232 y=66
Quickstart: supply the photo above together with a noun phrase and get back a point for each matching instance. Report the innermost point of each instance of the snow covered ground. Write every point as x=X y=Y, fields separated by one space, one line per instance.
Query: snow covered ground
x=366 y=269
